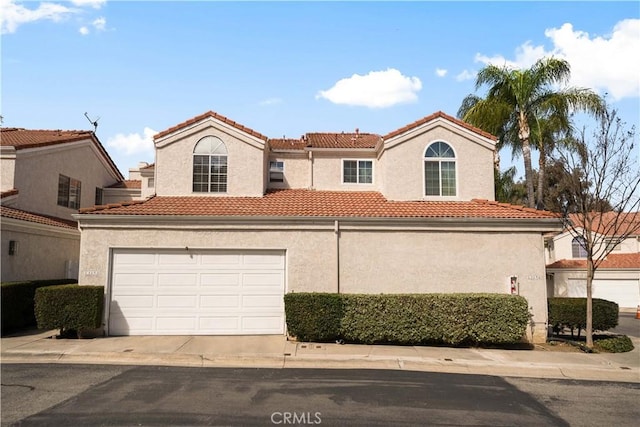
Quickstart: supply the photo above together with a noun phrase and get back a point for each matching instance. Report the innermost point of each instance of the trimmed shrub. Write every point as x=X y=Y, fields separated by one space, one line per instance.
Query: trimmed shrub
x=313 y=316
x=617 y=344
x=69 y=307
x=572 y=313
x=18 y=302
x=454 y=319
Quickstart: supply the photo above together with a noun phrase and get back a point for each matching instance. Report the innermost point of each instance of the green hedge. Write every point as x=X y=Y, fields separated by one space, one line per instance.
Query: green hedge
x=572 y=313
x=69 y=307
x=18 y=302
x=454 y=319
x=616 y=344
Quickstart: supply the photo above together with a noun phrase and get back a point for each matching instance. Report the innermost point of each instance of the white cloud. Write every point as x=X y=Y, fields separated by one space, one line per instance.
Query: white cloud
x=271 y=101
x=84 y=31
x=96 y=4
x=100 y=24
x=378 y=89
x=441 y=72
x=12 y=15
x=608 y=63
x=133 y=143
x=465 y=75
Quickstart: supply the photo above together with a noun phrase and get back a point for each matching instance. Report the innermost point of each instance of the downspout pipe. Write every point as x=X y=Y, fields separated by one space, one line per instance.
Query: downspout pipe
x=336 y=230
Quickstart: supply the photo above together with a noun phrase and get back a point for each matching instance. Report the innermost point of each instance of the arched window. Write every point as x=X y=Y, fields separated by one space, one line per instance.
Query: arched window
x=439 y=170
x=578 y=248
x=210 y=166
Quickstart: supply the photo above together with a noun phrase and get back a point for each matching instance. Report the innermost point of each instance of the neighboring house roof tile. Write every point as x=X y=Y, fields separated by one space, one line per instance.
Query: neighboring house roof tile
x=611 y=261
x=210 y=114
x=13 y=213
x=627 y=222
x=21 y=138
x=342 y=140
x=128 y=183
x=311 y=203
x=436 y=115
x=149 y=166
x=8 y=193
x=287 y=144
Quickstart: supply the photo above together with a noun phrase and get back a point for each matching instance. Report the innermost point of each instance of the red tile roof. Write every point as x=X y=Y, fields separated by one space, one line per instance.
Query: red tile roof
x=311 y=203
x=611 y=261
x=8 y=212
x=342 y=140
x=610 y=223
x=436 y=115
x=210 y=114
x=26 y=138
x=128 y=183
x=287 y=144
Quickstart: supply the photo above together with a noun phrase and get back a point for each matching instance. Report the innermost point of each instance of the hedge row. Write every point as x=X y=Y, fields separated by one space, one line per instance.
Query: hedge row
x=69 y=307
x=413 y=319
x=572 y=313
x=18 y=302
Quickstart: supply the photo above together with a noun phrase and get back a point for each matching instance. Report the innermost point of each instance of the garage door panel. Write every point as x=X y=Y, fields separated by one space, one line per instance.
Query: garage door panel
x=220 y=301
x=624 y=292
x=203 y=292
x=220 y=279
x=134 y=279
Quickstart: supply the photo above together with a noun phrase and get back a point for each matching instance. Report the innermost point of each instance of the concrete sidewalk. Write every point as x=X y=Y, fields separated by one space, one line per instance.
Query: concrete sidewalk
x=277 y=352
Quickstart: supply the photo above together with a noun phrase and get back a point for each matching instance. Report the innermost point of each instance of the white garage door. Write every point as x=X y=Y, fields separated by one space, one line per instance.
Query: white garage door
x=626 y=293
x=191 y=292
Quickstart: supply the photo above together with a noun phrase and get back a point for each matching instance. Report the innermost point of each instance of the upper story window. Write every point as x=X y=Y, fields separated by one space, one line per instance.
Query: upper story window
x=69 y=192
x=357 y=171
x=210 y=166
x=276 y=171
x=439 y=170
x=99 y=196
x=578 y=248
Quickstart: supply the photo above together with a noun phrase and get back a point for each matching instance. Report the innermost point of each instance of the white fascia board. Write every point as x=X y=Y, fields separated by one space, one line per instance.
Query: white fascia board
x=346 y=223
x=485 y=142
x=212 y=122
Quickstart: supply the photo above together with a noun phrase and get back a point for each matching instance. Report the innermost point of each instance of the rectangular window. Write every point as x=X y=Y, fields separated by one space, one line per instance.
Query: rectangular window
x=99 y=196
x=151 y=182
x=69 y=190
x=432 y=178
x=357 y=171
x=276 y=171
x=440 y=178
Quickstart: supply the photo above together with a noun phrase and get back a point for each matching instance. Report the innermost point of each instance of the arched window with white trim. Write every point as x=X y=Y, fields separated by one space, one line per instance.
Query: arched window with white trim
x=440 y=170
x=210 y=166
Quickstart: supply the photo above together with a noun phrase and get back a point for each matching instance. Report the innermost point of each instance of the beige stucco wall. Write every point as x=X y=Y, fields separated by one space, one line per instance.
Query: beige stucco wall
x=7 y=168
x=327 y=171
x=37 y=171
x=402 y=165
x=174 y=162
x=296 y=170
x=371 y=261
x=43 y=252
x=562 y=247
x=429 y=261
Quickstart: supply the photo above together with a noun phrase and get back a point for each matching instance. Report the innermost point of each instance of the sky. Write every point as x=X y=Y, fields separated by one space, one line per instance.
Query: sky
x=288 y=68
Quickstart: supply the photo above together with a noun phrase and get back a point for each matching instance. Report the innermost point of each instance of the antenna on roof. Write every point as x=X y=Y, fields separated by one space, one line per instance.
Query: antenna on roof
x=93 y=122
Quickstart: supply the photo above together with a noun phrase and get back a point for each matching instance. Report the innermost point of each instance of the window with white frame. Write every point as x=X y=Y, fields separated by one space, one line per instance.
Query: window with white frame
x=210 y=166
x=276 y=171
x=439 y=170
x=578 y=246
x=69 y=190
x=357 y=171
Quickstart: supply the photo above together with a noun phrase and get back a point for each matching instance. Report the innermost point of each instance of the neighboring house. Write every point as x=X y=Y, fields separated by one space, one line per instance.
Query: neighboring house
x=617 y=279
x=47 y=175
x=238 y=220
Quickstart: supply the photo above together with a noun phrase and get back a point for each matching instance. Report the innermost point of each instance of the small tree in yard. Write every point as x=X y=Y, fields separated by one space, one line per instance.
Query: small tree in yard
x=601 y=198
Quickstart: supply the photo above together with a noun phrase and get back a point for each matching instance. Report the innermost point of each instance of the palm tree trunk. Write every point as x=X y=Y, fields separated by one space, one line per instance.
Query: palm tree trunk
x=528 y=172
x=541 y=178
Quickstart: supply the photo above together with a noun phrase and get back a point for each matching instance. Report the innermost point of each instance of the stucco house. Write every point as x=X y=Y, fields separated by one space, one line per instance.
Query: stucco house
x=618 y=277
x=237 y=219
x=47 y=175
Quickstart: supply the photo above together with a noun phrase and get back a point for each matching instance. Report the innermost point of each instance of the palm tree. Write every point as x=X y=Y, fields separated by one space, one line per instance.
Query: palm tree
x=518 y=98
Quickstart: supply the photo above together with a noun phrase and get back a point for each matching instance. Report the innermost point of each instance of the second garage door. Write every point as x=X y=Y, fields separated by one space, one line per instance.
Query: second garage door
x=626 y=293
x=196 y=292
